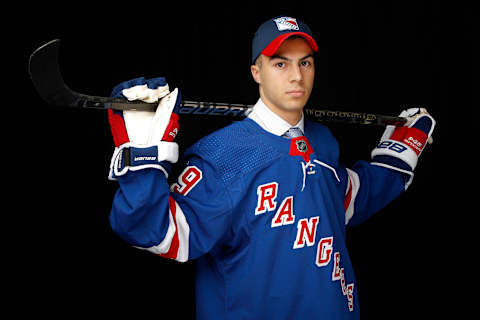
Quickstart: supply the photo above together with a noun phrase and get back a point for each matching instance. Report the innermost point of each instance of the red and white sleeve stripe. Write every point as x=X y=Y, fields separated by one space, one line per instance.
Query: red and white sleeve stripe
x=351 y=194
x=175 y=244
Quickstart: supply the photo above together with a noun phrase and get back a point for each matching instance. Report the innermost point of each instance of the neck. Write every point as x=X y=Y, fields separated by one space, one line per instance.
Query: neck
x=290 y=116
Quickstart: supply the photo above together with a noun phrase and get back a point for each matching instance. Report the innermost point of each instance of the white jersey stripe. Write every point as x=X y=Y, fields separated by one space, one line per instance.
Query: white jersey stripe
x=175 y=243
x=353 y=187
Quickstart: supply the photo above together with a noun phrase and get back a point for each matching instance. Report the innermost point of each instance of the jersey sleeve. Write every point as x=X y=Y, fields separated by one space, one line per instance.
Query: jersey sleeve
x=174 y=222
x=369 y=188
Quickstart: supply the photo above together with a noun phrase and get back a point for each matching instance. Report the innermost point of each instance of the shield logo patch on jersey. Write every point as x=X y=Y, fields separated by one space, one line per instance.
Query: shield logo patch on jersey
x=301 y=147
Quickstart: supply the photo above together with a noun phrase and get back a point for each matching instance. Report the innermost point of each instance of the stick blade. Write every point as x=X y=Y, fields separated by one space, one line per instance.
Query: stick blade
x=47 y=78
x=45 y=74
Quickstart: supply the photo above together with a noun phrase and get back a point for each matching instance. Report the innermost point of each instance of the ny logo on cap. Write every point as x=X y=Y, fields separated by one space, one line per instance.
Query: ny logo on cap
x=286 y=23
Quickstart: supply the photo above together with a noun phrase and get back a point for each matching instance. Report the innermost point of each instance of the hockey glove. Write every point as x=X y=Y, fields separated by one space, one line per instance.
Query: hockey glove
x=400 y=147
x=144 y=139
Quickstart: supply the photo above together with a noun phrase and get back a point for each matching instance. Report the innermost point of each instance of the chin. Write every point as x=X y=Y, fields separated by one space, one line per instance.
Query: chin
x=296 y=104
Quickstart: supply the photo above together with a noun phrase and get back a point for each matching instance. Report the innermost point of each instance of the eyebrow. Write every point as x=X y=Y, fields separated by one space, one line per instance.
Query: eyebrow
x=275 y=56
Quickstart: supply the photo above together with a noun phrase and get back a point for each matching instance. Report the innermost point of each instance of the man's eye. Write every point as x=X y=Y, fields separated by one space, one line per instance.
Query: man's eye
x=280 y=64
x=305 y=63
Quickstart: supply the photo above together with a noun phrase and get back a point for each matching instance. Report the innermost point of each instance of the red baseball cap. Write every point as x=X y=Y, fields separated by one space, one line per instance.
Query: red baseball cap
x=272 y=33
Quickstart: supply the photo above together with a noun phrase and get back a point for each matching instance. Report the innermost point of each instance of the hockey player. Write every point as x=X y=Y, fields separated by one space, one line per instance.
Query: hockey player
x=262 y=205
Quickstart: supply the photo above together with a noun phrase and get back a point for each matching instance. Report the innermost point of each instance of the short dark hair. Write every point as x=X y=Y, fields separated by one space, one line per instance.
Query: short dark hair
x=259 y=61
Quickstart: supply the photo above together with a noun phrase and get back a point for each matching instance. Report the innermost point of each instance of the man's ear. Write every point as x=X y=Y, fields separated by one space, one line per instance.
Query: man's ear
x=255 y=73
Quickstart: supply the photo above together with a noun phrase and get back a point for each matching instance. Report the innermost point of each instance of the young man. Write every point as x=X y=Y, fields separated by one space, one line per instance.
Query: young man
x=262 y=205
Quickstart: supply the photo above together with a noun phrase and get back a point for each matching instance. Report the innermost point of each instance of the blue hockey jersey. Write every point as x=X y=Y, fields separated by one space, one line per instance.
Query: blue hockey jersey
x=263 y=216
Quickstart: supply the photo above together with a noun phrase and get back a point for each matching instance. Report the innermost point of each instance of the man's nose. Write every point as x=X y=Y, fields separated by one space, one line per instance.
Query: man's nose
x=296 y=73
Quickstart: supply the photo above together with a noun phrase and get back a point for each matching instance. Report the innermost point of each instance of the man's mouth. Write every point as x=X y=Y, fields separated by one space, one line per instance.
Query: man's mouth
x=297 y=93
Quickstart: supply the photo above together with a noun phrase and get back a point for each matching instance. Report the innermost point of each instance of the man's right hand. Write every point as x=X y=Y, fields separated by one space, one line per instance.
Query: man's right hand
x=144 y=139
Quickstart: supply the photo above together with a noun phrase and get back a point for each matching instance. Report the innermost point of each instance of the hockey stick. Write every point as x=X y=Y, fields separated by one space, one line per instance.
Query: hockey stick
x=46 y=76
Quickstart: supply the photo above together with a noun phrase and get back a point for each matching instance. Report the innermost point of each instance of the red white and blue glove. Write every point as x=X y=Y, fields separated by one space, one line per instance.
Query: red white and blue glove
x=400 y=147
x=144 y=139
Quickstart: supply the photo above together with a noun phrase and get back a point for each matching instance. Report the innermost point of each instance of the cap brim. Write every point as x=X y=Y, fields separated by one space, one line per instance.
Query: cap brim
x=277 y=42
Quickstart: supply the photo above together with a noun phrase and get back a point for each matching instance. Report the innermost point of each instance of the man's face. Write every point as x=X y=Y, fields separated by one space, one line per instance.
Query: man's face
x=286 y=78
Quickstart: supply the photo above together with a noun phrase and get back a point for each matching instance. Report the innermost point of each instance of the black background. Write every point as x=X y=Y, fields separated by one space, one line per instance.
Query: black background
x=375 y=56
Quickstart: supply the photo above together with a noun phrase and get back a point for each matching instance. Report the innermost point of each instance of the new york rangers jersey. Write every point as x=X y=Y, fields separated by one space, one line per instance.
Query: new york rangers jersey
x=263 y=217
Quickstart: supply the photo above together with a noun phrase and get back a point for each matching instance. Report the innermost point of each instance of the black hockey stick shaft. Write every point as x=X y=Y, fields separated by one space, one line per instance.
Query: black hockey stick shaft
x=47 y=78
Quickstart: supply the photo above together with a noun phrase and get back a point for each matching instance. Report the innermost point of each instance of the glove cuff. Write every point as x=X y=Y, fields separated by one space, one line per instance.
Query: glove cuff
x=131 y=157
x=397 y=150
